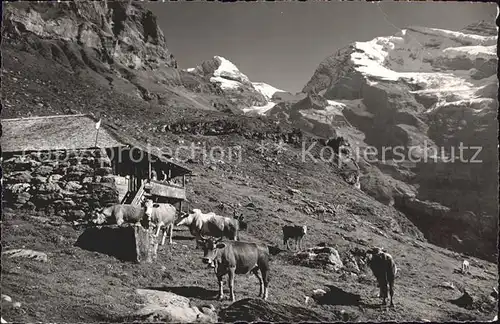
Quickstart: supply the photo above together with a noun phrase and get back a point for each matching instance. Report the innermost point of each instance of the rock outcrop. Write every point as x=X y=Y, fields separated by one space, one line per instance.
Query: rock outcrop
x=117 y=44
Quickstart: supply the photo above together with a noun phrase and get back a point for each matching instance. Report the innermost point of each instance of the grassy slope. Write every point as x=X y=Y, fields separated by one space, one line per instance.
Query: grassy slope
x=77 y=285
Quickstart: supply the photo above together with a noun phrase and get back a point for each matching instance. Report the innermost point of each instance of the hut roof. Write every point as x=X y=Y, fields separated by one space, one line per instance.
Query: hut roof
x=60 y=132
x=67 y=132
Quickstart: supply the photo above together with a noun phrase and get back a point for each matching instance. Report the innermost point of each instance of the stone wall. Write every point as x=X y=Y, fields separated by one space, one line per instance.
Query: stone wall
x=65 y=183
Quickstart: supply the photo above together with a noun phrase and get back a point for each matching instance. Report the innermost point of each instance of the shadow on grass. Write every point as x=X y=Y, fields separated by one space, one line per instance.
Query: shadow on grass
x=337 y=296
x=189 y=292
x=117 y=242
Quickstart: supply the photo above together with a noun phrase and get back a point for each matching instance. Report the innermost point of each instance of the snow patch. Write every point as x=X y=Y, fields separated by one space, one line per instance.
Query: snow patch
x=472 y=52
x=260 y=110
x=265 y=89
x=225 y=84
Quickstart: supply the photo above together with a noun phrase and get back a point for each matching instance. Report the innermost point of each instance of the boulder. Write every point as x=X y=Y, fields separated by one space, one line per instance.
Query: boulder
x=168 y=307
x=83 y=168
x=20 y=177
x=54 y=178
x=44 y=170
x=39 y=180
x=48 y=187
x=18 y=187
x=319 y=257
x=103 y=171
x=72 y=186
x=23 y=198
x=26 y=253
x=76 y=214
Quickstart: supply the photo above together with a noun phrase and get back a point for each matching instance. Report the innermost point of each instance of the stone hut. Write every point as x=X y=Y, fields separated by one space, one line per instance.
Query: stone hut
x=67 y=165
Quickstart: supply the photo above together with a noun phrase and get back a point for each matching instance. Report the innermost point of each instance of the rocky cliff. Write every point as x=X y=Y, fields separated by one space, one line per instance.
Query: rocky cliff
x=426 y=92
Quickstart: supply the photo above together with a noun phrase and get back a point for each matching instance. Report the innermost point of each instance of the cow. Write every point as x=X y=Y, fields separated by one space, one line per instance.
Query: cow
x=465 y=266
x=210 y=224
x=242 y=225
x=295 y=232
x=384 y=269
x=163 y=215
x=236 y=257
x=119 y=214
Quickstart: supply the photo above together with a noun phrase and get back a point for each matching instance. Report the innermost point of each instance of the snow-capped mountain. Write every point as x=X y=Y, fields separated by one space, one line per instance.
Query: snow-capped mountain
x=250 y=97
x=424 y=90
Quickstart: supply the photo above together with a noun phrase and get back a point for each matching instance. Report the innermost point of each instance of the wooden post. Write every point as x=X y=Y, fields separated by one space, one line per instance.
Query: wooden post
x=146 y=244
x=149 y=166
x=183 y=181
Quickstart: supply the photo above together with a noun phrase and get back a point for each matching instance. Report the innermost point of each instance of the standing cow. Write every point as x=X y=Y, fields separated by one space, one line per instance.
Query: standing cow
x=163 y=215
x=384 y=269
x=233 y=258
x=210 y=225
x=294 y=232
x=119 y=214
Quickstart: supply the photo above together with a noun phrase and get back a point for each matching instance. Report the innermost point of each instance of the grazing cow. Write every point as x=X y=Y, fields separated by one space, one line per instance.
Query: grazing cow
x=384 y=269
x=233 y=258
x=210 y=225
x=119 y=214
x=295 y=232
x=465 y=266
x=163 y=215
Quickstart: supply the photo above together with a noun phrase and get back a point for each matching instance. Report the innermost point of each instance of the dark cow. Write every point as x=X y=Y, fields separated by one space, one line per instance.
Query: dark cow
x=295 y=232
x=233 y=258
x=243 y=226
x=384 y=269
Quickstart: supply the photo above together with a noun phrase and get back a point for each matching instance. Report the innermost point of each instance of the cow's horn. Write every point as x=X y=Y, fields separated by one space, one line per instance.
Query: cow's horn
x=203 y=237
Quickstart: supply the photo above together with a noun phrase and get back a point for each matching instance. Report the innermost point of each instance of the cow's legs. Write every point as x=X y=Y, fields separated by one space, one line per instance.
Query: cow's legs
x=171 y=233
x=231 y=283
x=160 y=224
x=221 y=292
x=391 y=291
x=265 y=279
x=164 y=236
x=383 y=292
x=261 y=282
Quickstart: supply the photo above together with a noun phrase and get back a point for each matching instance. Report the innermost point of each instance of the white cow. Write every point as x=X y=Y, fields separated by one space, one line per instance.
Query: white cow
x=210 y=224
x=465 y=266
x=163 y=216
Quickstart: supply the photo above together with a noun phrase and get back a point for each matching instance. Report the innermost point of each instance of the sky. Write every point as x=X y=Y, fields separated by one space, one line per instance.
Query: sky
x=282 y=43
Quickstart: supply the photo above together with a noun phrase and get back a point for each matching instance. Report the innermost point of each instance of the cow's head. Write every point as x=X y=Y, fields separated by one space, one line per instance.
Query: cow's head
x=148 y=206
x=98 y=217
x=211 y=248
x=187 y=218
